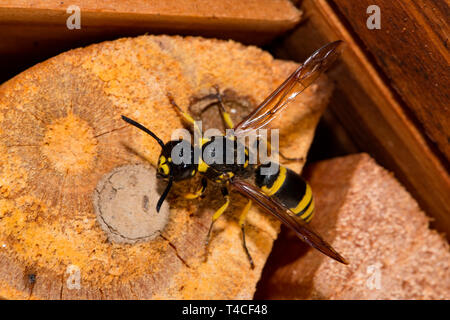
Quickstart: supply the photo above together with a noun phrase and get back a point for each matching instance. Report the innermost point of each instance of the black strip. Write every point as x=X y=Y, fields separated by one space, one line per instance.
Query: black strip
x=224 y=309
x=309 y=215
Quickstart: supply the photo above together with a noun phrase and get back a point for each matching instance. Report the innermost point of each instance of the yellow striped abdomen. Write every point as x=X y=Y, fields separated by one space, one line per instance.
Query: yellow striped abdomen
x=289 y=188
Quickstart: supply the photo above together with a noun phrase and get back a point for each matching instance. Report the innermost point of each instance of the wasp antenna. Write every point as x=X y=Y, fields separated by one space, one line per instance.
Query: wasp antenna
x=164 y=195
x=140 y=126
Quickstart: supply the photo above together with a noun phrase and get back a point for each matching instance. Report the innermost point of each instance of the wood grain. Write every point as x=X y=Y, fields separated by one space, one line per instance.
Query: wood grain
x=61 y=132
x=368 y=109
x=32 y=31
x=412 y=49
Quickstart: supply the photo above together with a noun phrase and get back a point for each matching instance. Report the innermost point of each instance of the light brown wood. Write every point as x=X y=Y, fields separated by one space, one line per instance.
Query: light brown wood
x=61 y=132
x=376 y=224
x=367 y=108
x=32 y=31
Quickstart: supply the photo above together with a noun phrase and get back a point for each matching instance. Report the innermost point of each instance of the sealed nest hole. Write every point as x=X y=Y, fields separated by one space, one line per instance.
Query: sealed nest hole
x=204 y=107
x=125 y=201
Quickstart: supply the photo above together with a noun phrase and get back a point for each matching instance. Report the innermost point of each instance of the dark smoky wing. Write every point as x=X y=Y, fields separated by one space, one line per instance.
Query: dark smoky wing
x=298 y=81
x=276 y=209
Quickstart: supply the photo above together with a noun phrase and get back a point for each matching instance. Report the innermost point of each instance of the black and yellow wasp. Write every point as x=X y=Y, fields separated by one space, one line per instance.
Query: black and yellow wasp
x=283 y=194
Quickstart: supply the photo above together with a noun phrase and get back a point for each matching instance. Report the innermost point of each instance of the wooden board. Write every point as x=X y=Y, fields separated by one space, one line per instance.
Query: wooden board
x=61 y=132
x=32 y=31
x=412 y=50
x=370 y=112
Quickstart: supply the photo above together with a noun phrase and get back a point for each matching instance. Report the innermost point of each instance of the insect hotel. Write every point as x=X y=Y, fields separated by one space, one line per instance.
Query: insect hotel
x=98 y=201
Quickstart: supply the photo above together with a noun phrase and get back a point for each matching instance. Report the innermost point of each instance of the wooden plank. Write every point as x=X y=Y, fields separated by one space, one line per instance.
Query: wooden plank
x=32 y=31
x=264 y=16
x=412 y=50
x=367 y=108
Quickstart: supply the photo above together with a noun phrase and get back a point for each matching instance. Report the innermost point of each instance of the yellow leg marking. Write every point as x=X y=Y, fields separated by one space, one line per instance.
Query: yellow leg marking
x=227 y=118
x=186 y=116
x=242 y=225
x=194 y=195
x=218 y=213
x=197 y=193
x=191 y=196
x=305 y=200
x=277 y=184
x=225 y=115
x=222 y=209
x=244 y=212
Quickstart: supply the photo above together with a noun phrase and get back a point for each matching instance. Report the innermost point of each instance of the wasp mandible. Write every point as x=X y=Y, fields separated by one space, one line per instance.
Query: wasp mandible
x=283 y=194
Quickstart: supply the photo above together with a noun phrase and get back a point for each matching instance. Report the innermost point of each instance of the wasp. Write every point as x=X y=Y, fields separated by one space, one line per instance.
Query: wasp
x=282 y=193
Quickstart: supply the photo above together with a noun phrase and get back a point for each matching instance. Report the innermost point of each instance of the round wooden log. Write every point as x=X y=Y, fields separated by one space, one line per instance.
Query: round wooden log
x=61 y=137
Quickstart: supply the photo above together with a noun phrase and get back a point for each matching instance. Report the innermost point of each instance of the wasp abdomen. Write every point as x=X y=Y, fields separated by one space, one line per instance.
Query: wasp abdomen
x=287 y=187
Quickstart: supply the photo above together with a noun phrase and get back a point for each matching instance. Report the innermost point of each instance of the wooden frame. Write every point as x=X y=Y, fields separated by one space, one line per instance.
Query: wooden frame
x=375 y=118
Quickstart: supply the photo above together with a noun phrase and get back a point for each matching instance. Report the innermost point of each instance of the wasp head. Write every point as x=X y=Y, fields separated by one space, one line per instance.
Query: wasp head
x=177 y=161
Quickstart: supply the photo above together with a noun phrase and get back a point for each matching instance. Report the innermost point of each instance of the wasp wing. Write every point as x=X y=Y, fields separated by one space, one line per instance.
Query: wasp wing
x=298 y=81
x=279 y=211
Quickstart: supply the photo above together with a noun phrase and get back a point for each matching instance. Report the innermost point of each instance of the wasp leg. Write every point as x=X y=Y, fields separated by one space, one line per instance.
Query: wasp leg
x=269 y=145
x=199 y=192
x=299 y=159
x=218 y=213
x=186 y=116
x=242 y=225
x=225 y=115
x=223 y=112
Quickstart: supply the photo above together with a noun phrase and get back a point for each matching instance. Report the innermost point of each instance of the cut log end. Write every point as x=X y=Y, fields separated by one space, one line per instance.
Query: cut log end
x=61 y=133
